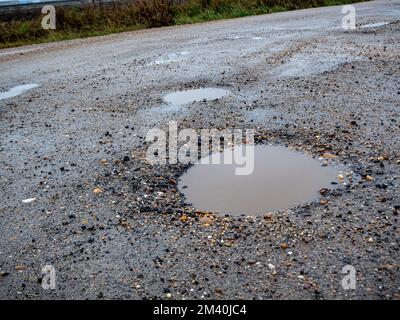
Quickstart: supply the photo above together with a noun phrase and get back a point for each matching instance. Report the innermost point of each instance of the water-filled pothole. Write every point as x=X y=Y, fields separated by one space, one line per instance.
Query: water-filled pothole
x=281 y=179
x=189 y=96
x=13 y=92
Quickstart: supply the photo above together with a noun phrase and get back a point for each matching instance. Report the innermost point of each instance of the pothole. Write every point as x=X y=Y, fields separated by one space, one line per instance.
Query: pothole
x=189 y=96
x=16 y=91
x=281 y=179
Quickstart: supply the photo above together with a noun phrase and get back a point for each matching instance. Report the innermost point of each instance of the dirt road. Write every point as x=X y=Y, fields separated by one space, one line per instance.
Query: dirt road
x=77 y=193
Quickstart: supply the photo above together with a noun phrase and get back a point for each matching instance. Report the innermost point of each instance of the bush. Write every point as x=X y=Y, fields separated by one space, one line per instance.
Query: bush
x=156 y=13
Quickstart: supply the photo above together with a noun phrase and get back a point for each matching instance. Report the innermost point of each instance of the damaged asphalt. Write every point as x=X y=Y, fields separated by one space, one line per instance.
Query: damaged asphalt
x=77 y=192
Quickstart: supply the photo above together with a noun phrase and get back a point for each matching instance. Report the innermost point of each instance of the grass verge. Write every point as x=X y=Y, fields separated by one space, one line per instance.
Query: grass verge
x=21 y=28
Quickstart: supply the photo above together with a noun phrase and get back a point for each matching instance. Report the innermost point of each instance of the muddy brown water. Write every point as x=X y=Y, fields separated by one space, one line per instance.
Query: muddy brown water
x=281 y=179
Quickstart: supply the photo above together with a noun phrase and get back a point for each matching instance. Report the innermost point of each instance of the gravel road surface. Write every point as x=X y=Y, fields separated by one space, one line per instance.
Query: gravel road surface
x=78 y=194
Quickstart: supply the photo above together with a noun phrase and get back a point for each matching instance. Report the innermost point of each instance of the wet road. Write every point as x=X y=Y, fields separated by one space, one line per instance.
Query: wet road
x=114 y=226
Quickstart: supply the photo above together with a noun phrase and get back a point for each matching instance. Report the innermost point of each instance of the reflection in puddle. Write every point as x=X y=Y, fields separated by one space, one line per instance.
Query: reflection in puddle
x=281 y=179
x=17 y=90
x=189 y=96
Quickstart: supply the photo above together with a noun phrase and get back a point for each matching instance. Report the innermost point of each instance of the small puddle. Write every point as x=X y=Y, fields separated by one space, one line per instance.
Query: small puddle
x=373 y=25
x=309 y=63
x=189 y=96
x=281 y=179
x=173 y=57
x=16 y=91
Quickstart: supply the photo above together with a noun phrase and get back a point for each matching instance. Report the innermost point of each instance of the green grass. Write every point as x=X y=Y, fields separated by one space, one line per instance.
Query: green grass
x=73 y=22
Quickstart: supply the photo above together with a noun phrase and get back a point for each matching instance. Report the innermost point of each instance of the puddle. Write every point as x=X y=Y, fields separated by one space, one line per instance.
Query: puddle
x=313 y=63
x=173 y=57
x=189 y=96
x=373 y=25
x=234 y=38
x=281 y=179
x=16 y=91
x=174 y=106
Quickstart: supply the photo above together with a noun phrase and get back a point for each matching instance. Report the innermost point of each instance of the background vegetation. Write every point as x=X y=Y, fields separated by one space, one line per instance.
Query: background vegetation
x=19 y=28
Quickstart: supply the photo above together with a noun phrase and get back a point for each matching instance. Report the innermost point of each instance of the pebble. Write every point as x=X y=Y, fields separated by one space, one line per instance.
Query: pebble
x=271 y=266
x=328 y=155
x=3 y=273
x=269 y=216
x=323 y=191
x=20 y=267
x=97 y=190
x=29 y=200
